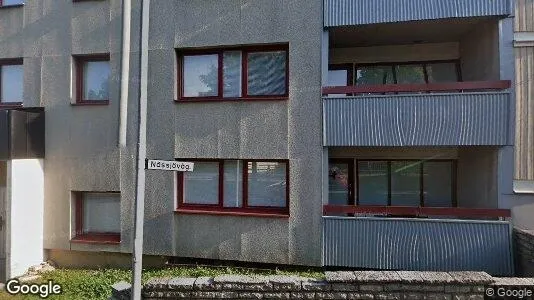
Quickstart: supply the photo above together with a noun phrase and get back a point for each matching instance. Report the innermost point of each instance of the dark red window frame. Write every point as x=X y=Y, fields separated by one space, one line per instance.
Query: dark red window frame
x=80 y=60
x=9 y=62
x=352 y=69
x=424 y=64
x=454 y=201
x=91 y=237
x=260 y=211
x=245 y=50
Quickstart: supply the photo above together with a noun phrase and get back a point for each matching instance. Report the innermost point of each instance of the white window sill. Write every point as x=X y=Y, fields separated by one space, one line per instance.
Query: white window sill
x=524 y=186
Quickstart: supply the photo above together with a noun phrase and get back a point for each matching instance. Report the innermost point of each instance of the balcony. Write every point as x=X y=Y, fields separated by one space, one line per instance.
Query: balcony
x=370 y=240
x=358 y=12
x=451 y=114
x=419 y=81
x=22 y=133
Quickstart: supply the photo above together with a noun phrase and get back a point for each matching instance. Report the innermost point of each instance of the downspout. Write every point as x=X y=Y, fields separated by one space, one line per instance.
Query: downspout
x=125 y=71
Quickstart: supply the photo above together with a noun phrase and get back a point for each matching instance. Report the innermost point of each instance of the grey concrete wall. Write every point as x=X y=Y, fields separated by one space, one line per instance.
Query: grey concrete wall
x=81 y=141
x=283 y=129
x=82 y=151
x=479 y=52
x=477 y=177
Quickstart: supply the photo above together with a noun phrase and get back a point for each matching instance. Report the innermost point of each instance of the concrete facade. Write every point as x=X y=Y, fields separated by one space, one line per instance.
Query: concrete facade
x=83 y=152
x=82 y=144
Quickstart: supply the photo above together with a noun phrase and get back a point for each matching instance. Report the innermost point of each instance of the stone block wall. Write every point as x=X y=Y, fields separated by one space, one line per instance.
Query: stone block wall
x=335 y=285
x=524 y=252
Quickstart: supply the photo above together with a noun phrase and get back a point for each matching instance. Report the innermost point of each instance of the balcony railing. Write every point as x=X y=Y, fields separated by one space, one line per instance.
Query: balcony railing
x=435 y=114
x=418 y=244
x=417 y=88
x=460 y=212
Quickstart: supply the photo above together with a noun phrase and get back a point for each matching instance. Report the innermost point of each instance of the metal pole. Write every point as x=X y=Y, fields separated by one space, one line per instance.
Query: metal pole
x=125 y=70
x=137 y=255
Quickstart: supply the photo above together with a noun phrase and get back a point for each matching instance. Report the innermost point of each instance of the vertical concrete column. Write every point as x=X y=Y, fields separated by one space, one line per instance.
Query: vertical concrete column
x=24 y=226
x=505 y=168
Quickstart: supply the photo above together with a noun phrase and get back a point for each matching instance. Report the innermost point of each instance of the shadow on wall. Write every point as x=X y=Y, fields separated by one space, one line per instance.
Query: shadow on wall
x=524 y=252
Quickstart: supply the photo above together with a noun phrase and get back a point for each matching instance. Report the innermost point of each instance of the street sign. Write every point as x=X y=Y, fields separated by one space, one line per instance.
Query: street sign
x=169 y=165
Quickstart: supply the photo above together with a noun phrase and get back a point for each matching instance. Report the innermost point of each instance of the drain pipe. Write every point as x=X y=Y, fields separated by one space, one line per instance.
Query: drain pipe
x=125 y=71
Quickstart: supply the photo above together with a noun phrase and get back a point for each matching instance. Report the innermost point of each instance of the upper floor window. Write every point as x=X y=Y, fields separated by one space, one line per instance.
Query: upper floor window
x=234 y=73
x=92 y=79
x=11 y=2
x=11 y=82
x=395 y=73
x=245 y=186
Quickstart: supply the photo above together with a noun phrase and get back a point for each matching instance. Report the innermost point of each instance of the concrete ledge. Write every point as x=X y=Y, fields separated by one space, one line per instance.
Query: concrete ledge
x=335 y=285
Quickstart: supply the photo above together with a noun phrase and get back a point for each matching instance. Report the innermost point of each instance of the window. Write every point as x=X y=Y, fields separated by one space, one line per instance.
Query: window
x=11 y=2
x=92 y=79
x=340 y=75
x=246 y=73
x=235 y=186
x=397 y=73
x=97 y=217
x=11 y=82
x=406 y=183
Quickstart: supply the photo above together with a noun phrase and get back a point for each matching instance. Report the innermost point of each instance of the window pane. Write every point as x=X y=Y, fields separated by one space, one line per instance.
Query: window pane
x=233 y=183
x=374 y=75
x=405 y=183
x=266 y=73
x=410 y=74
x=438 y=184
x=232 y=74
x=202 y=185
x=338 y=184
x=373 y=182
x=201 y=76
x=338 y=78
x=96 y=80
x=11 y=2
x=442 y=72
x=101 y=213
x=267 y=184
x=11 y=84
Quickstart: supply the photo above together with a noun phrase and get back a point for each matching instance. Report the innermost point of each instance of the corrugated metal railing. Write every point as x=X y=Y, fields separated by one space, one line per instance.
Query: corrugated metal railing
x=418 y=244
x=441 y=119
x=357 y=12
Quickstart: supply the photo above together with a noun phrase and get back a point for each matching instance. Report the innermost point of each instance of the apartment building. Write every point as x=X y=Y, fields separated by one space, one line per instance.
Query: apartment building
x=349 y=133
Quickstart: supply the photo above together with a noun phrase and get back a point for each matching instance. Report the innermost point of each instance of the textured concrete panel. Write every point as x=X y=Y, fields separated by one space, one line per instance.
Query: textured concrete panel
x=233 y=238
x=11 y=24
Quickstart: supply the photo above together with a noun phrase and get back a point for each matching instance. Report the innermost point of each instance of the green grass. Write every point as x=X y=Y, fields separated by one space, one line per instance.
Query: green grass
x=96 y=284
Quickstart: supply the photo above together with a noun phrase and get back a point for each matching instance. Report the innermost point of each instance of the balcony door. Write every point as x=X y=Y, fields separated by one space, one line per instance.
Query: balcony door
x=341 y=182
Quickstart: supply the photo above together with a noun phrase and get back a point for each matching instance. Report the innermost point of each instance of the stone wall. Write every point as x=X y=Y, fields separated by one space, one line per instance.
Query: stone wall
x=335 y=285
x=524 y=252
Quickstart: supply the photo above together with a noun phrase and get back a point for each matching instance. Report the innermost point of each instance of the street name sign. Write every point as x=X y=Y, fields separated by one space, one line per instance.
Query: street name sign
x=169 y=165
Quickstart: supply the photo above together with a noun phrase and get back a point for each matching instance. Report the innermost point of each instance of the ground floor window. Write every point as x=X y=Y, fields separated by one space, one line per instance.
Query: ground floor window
x=97 y=216
x=392 y=182
x=235 y=186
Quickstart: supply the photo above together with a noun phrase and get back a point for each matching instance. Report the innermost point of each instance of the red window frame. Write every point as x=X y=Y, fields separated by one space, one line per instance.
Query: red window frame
x=9 y=62
x=245 y=51
x=260 y=211
x=91 y=237
x=422 y=202
x=80 y=60
x=424 y=65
